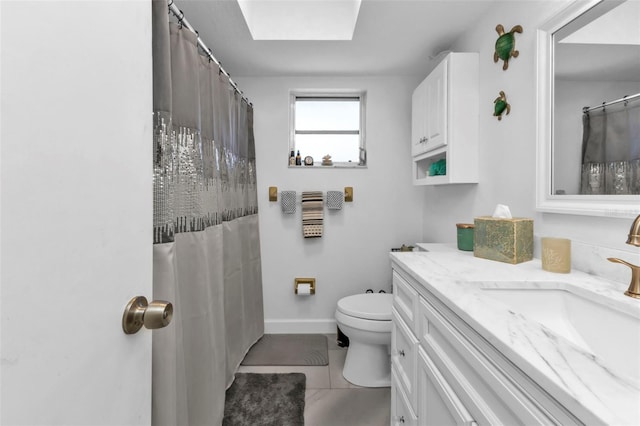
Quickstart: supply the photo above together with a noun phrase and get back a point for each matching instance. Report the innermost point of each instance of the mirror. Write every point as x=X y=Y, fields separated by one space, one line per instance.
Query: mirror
x=589 y=55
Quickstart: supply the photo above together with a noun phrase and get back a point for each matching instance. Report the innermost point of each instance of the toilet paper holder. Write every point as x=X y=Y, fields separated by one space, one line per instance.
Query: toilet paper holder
x=310 y=281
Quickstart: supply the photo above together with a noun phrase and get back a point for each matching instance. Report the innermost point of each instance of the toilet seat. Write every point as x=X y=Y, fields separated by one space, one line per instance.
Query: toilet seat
x=368 y=306
x=375 y=326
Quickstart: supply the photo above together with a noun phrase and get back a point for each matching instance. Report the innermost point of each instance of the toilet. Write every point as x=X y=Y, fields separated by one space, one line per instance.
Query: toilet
x=366 y=320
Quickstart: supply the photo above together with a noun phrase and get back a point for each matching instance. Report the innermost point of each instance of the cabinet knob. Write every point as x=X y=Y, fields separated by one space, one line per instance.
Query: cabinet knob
x=401 y=352
x=401 y=419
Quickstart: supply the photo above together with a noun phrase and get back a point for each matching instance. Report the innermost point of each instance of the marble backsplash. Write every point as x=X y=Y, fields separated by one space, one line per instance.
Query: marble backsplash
x=593 y=260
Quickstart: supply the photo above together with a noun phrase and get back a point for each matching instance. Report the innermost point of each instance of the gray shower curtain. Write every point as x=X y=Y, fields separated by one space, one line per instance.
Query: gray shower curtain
x=611 y=150
x=206 y=251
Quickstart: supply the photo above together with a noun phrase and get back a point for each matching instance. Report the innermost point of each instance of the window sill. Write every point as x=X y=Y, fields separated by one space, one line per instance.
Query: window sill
x=333 y=166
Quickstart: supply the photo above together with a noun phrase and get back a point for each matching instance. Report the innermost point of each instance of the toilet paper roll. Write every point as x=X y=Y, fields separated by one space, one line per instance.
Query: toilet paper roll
x=304 y=289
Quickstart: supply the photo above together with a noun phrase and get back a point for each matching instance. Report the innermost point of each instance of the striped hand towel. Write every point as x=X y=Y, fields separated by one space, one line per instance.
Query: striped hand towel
x=312 y=211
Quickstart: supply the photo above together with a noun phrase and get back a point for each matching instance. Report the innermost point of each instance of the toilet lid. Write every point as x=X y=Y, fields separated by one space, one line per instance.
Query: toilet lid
x=373 y=306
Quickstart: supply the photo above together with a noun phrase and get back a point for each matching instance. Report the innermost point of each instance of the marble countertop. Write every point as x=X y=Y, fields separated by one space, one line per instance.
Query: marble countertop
x=576 y=378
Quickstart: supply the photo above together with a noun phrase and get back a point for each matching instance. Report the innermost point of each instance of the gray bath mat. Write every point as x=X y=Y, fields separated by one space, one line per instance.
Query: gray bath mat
x=265 y=400
x=288 y=349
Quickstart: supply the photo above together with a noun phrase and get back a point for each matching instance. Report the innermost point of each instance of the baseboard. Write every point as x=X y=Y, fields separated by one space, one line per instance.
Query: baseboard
x=288 y=326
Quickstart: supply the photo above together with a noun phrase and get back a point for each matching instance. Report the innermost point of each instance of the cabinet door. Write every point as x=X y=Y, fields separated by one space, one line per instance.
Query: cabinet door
x=436 y=107
x=438 y=404
x=401 y=412
x=405 y=301
x=404 y=356
x=418 y=119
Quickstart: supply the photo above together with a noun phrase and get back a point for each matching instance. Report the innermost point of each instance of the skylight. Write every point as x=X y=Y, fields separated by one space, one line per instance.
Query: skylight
x=300 y=19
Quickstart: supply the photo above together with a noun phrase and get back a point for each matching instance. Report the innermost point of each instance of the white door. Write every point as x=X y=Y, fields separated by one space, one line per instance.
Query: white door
x=76 y=211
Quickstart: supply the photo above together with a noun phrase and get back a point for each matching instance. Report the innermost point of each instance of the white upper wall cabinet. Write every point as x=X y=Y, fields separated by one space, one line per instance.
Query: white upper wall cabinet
x=419 y=119
x=444 y=132
x=429 y=105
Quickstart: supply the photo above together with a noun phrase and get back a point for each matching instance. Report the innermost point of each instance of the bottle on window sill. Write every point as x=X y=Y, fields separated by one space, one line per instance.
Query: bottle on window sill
x=298 y=159
x=292 y=158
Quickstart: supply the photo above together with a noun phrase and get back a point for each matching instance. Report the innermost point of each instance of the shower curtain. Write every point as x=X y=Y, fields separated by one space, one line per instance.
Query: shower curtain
x=206 y=252
x=611 y=150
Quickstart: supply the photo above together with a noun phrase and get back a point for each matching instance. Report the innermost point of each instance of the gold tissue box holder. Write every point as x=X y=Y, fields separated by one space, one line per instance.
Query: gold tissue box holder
x=504 y=240
x=310 y=281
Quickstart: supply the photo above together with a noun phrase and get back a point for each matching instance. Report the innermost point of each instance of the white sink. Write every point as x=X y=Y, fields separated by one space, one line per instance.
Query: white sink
x=609 y=328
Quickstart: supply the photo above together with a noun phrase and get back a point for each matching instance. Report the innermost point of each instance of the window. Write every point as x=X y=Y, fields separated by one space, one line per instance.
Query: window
x=329 y=124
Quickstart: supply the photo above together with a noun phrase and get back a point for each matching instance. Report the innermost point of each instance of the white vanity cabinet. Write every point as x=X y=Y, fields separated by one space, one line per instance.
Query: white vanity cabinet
x=404 y=353
x=445 y=121
x=445 y=373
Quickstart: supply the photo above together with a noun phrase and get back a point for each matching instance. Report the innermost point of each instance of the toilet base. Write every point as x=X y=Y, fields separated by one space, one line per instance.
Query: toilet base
x=367 y=365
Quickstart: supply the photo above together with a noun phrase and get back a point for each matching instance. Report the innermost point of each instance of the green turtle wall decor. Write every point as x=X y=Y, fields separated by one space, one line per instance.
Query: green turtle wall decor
x=501 y=105
x=506 y=45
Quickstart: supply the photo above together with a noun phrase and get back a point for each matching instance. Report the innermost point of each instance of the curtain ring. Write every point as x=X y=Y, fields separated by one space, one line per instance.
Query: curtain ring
x=625 y=100
x=180 y=19
x=604 y=106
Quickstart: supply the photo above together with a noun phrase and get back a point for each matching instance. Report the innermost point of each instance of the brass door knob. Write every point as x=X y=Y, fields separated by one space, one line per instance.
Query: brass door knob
x=139 y=312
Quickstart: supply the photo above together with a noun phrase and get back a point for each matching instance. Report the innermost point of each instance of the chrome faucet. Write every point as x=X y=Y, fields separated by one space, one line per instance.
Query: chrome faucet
x=634 y=240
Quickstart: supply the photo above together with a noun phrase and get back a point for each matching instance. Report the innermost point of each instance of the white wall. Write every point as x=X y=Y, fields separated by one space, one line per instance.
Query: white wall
x=508 y=147
x=352 y=255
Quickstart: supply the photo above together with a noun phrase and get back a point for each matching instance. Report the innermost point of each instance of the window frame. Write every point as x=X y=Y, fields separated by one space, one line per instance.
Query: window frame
x=294 y=95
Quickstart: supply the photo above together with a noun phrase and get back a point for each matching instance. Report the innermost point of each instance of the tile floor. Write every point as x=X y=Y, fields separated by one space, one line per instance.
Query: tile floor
x=330 y=400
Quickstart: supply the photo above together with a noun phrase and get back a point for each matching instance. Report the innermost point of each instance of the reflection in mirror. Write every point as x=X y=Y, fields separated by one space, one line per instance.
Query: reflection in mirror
x=596 y=102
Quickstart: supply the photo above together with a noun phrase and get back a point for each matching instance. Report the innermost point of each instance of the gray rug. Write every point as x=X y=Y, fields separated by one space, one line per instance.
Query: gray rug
x=288 y=349
x=265 y=400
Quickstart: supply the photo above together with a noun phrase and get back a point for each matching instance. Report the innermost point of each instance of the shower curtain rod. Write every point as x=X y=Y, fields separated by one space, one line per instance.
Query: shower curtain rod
x=179 y=14
x=606 y=104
